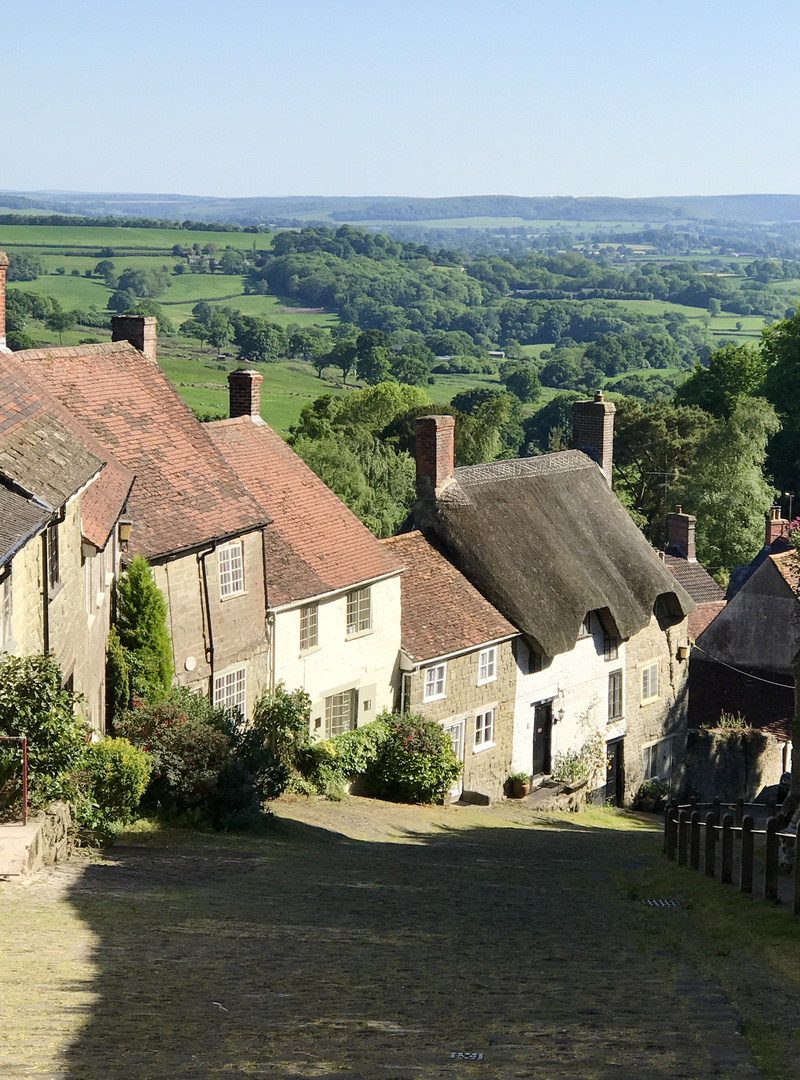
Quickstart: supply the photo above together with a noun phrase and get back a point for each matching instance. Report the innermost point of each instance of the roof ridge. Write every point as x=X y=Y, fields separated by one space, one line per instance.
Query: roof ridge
x=98 y=347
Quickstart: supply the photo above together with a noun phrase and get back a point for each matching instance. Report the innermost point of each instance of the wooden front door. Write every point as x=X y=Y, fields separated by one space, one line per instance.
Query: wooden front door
x=615 y=772
x=542 y=735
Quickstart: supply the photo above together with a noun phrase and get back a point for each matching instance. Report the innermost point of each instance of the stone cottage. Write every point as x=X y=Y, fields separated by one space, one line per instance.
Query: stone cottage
x=457 y=664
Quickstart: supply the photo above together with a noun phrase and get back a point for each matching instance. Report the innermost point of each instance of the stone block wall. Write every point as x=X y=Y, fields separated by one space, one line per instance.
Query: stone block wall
x=485 y=770
x=731 y=764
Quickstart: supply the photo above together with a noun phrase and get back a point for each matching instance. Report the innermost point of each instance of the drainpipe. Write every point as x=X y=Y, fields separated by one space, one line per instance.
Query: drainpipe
x=269 y=615
x=201 y=558
x=45 y=595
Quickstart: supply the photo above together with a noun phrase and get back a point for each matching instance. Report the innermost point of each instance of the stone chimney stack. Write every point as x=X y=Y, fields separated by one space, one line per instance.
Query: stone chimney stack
x=776 y=526
x=3 y=269
x=593 y=431
x=435 y=437
x=244 y=391
x=139 y=330
x=680 y=533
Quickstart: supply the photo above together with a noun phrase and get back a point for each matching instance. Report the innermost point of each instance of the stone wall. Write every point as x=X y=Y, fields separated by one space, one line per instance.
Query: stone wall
x=733 y=764
x=485 y=769
x=230 y=633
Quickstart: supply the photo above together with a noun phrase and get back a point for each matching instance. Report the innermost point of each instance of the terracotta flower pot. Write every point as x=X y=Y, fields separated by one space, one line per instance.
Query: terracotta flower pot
x=520 y=789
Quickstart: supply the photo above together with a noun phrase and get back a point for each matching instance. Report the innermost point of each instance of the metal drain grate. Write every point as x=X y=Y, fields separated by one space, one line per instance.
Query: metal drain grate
x=663 y=903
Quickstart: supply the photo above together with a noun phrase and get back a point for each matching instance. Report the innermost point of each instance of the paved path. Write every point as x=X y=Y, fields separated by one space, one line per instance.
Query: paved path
x=359 y=941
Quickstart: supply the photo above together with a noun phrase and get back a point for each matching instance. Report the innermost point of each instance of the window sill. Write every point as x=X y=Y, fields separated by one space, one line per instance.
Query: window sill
x=359 y=634
x=485 y=682
x=614 y=720
x=310 y=650
x=483 y=746
x=56 y=589
x=233 y=595
x=649 y=701
x=436 y=697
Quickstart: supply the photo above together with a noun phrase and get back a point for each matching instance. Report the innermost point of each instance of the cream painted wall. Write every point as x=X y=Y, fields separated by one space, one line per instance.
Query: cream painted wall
x=577 y=683
x=368 y=662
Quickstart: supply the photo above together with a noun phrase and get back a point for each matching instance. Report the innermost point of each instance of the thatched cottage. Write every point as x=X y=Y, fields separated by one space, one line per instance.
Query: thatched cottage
x=603 y=622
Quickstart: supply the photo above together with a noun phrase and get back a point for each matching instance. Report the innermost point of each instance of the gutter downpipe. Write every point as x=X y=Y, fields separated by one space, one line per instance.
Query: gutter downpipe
x=201 y=558
x=269 y=615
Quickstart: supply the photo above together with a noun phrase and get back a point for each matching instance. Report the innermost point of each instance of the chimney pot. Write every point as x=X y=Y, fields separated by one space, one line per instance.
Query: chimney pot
x=139 y=330
x=434 y=451
x=775 y=526
x=244 y=393
x=593 y=431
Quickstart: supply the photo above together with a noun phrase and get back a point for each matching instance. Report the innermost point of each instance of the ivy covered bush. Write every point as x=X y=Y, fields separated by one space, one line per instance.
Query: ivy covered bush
x=328 y=766
x=415 y=762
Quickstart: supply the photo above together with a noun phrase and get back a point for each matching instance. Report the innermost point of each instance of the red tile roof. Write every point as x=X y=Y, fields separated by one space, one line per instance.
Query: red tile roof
x=184 y=493
x=315 y=545
x=788 y=566
x=442 y=613
x=50 y=453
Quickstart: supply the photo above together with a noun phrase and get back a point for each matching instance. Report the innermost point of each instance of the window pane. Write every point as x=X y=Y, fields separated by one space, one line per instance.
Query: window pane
x=359 y=611
x=230 y=690
x=231 y=570
x=340 y=713
x=615 y=695
x=308 y=627
x=484 y=727
x=487 y=665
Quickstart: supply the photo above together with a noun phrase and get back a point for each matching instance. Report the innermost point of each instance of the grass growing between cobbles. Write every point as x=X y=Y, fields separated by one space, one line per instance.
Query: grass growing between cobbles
x=363 y=939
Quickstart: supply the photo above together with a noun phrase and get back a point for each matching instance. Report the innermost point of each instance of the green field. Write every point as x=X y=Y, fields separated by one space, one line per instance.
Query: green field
x=93 y=238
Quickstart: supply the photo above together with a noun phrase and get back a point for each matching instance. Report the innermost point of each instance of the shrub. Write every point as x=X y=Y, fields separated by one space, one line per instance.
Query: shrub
x=112 y=782
x=188 y=754
x=34 y=704
x=281 y=718
x=416 y=762
x=235 y=805
x=142 y=629
x=588 y=763
x=330 y=764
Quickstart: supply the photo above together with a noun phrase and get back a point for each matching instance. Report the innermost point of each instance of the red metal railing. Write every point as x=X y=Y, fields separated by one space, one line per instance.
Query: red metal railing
x=21 y=739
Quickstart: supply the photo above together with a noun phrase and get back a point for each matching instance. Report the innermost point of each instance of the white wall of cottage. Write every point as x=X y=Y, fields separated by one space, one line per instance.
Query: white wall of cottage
x=367 y=662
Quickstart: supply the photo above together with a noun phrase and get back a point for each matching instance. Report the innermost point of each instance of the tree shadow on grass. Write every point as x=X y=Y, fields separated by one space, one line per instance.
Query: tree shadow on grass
x=308 y=953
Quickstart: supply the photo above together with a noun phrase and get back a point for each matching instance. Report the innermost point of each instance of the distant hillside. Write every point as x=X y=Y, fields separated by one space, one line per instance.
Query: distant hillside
x=304 y=209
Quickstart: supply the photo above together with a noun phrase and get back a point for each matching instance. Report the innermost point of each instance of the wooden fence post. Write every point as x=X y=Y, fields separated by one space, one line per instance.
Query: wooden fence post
x=796 y=903
x=739 y=812
x=717 y=808
x=771 y=862
x=746 y=877
x=672 y=831
x=711 y=840
x=667 y=813
x=726 y=870
x=683 y=837
x=694 y=848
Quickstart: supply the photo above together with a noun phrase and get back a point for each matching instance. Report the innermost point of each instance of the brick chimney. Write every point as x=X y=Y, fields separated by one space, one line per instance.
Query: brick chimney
x=593 y=431
x=680 y=533
x=139 y=330
x=776 y=526
x=3 y=269
x=435 y=437
x=244 y=392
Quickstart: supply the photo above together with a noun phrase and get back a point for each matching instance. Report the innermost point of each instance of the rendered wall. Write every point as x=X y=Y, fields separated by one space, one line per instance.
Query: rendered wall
x=367 y=661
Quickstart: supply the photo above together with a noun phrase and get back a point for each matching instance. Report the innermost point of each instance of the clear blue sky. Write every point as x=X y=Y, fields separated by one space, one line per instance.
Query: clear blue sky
x=401 y=97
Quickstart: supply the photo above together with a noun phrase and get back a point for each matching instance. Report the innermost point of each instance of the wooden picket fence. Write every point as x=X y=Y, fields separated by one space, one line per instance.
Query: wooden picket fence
x=708 y=828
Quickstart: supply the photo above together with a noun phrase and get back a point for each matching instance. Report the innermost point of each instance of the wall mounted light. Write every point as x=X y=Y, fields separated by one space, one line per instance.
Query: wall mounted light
x=124 y=527
x=683 y=652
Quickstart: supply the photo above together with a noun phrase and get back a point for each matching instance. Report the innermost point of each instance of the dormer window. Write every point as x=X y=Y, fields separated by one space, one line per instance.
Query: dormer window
x=586 y=626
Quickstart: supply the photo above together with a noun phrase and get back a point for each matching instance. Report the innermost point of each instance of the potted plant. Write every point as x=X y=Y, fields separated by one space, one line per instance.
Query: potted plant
x=520 y=784
x=651 y=795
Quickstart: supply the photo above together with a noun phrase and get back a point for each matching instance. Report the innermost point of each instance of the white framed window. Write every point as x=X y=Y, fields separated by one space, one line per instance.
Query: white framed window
x=6 y=614
x=650 y=681
x=359 y=611
x=230 y=690
x=586 y=626
x=484 y=730
x=230 y=560
x=340 y=713
x=487 y=666
x=610 y=647
x=308 y=626
x=435 y=682
x=615 y=695
x=657 y=760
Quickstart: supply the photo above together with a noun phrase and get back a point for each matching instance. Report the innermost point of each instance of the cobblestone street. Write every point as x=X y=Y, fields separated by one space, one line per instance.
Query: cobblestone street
x=360 y=940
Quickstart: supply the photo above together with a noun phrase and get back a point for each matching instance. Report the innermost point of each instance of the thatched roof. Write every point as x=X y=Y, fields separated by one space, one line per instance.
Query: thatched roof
x=545 y=540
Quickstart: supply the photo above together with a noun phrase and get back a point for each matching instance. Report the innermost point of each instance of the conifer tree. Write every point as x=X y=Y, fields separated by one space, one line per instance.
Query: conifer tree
x=143 y=634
